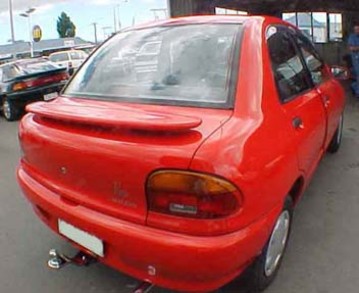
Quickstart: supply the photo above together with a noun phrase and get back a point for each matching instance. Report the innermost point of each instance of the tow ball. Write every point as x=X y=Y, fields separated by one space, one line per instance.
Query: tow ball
x=58 y=260
x=143 y=287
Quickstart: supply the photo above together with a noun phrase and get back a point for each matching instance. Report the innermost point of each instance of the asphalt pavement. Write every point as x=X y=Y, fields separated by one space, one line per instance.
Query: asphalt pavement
x=322 y=256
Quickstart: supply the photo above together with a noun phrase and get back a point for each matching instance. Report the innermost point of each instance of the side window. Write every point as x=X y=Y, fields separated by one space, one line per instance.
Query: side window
x=289 y=71
x=312 y=59
x=9 y=72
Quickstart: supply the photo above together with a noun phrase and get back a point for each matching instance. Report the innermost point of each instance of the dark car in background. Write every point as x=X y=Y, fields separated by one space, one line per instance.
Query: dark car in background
x=26 y=81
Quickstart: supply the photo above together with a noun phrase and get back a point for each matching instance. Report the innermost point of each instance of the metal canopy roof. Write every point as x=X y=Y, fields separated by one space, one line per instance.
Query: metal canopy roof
x=289 y=5
x=273 y=7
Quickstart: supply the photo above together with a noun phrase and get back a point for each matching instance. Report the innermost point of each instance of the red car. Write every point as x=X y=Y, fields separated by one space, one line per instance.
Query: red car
x=189 y=175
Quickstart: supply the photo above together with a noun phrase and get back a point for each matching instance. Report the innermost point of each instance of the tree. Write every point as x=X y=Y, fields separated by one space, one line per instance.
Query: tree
x=65 y=27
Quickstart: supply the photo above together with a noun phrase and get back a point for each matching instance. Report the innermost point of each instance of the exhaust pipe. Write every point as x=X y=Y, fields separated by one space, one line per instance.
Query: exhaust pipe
x=58 y=260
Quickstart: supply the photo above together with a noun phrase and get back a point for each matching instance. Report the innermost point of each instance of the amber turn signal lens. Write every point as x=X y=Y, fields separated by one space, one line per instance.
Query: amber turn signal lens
x=19 y=86
x=191 y=194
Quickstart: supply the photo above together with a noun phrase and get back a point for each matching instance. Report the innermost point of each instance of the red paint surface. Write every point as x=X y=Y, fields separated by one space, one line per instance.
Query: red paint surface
x=87 y=163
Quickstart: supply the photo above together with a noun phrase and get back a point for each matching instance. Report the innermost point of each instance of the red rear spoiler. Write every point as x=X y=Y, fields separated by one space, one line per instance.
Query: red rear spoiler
x=130 y=117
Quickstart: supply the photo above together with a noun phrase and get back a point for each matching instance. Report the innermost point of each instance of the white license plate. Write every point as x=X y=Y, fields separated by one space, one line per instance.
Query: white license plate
x=51 y=96
x=83 y=238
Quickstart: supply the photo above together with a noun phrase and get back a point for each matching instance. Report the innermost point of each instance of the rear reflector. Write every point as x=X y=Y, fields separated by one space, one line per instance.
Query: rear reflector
x=192 y=195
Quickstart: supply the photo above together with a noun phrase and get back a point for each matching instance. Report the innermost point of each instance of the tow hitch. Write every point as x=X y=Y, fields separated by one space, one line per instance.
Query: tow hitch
x=144 y=287
x=58 y=260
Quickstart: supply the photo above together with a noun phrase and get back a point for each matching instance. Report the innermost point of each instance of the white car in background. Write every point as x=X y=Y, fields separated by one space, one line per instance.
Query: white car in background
x=71 y=59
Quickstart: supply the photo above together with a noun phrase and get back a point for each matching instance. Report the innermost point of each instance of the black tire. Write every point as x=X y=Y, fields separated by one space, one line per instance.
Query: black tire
x=337 y=138
x=9 y=110
x=258 y=277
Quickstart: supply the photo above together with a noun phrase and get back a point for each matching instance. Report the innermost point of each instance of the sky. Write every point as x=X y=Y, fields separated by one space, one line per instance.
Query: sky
x=82 y=13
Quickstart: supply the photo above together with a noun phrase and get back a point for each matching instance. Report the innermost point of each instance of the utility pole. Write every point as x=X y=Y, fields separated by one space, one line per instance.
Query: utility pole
x=114 y=20
x=95 y=31
x=119 y=17
x=11 y=22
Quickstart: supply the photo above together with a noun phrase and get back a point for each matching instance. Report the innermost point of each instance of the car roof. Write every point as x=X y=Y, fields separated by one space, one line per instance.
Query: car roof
x=230 y=19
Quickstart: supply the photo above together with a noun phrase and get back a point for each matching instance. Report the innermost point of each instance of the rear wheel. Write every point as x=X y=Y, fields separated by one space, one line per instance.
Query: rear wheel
x=264 y=270
x=10 y=111
x=337 y=138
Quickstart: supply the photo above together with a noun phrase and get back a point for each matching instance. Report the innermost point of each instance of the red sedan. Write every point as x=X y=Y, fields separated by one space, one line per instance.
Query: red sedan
x=186 y=173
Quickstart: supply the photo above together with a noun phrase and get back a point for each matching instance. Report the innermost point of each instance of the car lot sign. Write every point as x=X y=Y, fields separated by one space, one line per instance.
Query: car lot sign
x=36 y=33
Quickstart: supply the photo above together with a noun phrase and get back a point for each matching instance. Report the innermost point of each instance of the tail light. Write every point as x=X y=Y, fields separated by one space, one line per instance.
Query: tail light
x=19 y=86
x=192 y=195
x=64 y=76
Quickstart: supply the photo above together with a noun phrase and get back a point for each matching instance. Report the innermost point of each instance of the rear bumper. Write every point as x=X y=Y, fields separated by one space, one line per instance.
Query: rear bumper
x=175 y=261
x=25 y=97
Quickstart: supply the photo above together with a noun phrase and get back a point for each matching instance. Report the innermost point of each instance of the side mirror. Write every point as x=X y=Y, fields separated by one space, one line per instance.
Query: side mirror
x=340 y=72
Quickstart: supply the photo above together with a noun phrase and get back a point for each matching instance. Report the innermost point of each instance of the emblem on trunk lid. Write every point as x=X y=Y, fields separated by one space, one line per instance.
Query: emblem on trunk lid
x=121 y=196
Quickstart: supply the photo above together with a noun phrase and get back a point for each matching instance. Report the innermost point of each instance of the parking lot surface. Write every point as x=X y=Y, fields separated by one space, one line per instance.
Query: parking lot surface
x=322 y=256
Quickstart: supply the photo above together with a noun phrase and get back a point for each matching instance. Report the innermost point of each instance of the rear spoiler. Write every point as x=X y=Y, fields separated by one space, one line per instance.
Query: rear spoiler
x=37 y=74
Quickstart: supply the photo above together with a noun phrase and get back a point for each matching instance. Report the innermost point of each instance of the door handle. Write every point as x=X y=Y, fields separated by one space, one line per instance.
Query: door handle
x=297 y=123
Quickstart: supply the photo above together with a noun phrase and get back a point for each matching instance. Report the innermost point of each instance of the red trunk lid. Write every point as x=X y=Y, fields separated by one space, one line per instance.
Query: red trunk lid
x=99 y=154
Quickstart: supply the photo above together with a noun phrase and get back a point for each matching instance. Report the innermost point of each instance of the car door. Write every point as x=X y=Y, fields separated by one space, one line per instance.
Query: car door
x=329 y=89
x=301 y=103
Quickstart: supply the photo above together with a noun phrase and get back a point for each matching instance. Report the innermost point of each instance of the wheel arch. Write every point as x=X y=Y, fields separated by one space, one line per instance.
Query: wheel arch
x=297 y=189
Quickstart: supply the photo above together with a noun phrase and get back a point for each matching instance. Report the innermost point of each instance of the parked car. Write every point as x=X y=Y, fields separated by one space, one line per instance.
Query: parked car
x=71 y=60
x=146 y=60
x=26 y=81
x=190 y=179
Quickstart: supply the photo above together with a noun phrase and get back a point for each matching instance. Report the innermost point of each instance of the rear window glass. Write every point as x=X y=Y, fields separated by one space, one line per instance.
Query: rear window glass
x=191 y=63
x=76 y=55
x=59 y=57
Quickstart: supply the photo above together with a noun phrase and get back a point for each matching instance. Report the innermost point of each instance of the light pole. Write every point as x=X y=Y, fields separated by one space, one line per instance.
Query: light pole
x=11 y=22
x=27 y=14
x=95 y=31
x=116 y=20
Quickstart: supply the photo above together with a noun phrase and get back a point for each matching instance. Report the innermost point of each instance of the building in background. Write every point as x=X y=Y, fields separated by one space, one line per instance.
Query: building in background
x=42 y=48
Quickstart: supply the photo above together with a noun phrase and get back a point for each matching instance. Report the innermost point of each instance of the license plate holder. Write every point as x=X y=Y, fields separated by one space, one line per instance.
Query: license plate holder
x=51 y=96
x=83 y=238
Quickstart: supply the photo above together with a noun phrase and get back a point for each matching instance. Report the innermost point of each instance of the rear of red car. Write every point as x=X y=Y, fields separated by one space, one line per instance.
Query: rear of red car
x=107 y=165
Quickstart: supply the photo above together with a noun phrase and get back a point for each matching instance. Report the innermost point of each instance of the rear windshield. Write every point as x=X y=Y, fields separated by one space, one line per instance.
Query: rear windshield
x=77 y=55
x=189 y=64
x=59 y=57
x=27 y=67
